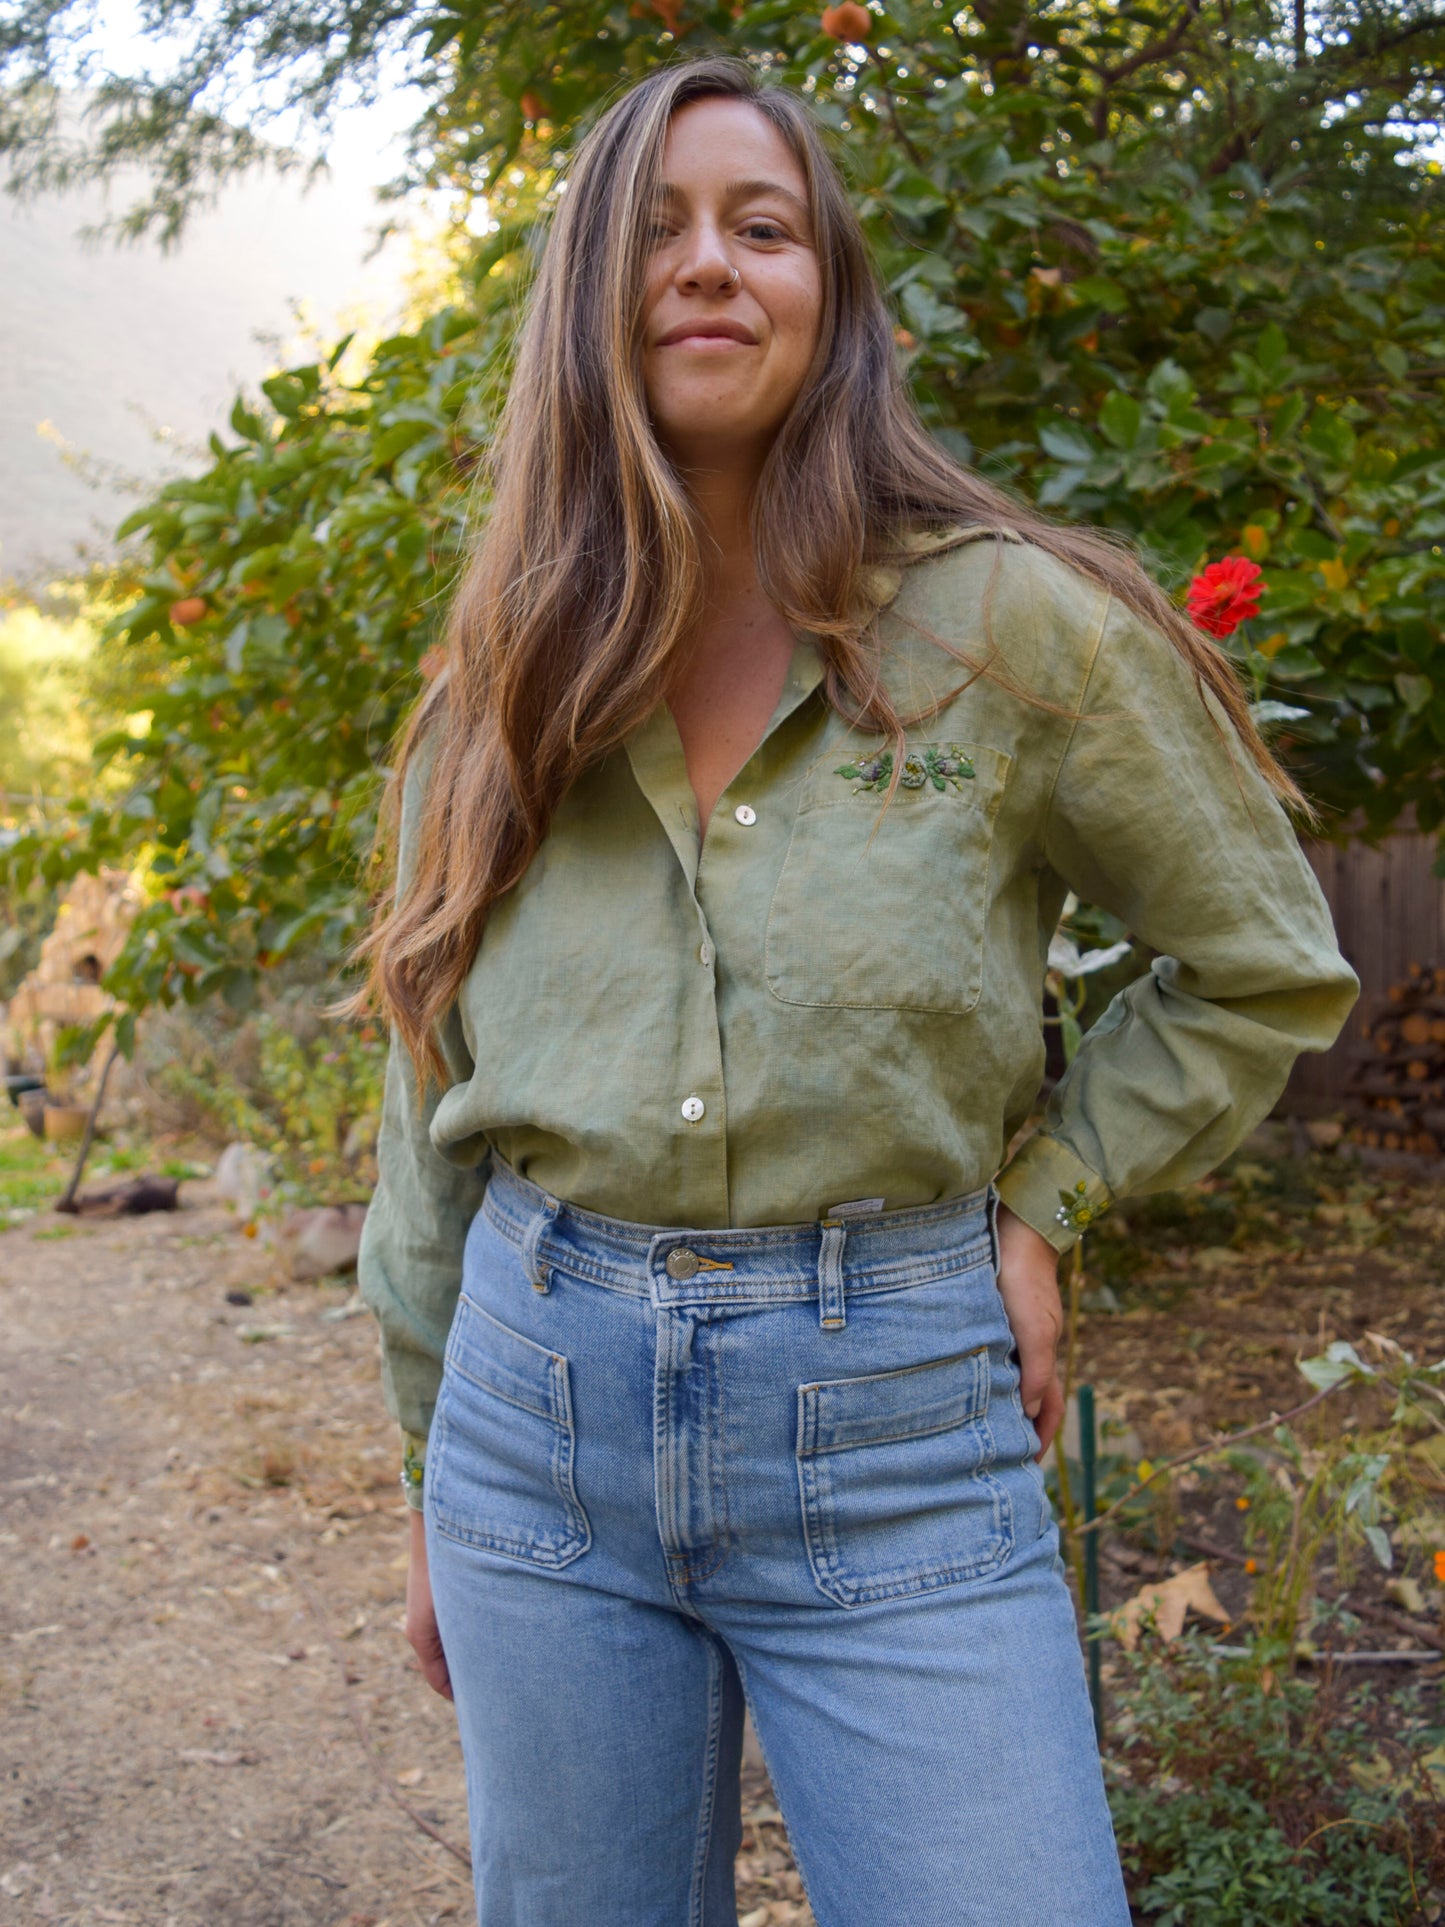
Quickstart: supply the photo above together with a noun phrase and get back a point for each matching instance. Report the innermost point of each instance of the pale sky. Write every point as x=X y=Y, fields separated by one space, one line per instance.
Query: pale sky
x=115 y=362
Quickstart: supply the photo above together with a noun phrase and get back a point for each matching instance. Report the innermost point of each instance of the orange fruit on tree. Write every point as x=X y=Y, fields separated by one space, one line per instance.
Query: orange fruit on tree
x=849 y=21
x=532 y=106
x=190 y=608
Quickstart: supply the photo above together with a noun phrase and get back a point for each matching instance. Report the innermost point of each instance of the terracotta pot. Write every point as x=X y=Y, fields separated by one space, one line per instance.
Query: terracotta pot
x=65 y=1120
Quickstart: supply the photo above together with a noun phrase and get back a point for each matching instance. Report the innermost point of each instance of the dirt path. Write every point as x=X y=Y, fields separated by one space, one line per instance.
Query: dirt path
x=203 y=1580
x=190 y=1561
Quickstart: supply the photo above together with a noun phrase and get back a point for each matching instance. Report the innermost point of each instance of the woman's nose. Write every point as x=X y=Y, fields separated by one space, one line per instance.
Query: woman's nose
x=705 y=265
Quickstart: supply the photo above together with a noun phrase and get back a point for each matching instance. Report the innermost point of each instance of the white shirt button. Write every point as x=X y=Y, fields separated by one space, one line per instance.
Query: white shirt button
x=746 y=815
x=693 y=1108
x=704 y=952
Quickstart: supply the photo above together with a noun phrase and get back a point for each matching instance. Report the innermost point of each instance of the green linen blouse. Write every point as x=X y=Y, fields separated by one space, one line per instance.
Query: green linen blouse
x=828 y=1000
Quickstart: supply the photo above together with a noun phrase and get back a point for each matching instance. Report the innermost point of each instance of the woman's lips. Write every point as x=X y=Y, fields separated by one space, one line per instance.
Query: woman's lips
x=707 y=344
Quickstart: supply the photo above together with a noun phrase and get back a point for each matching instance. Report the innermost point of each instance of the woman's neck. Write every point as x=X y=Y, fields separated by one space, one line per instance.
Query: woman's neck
x=723 y=497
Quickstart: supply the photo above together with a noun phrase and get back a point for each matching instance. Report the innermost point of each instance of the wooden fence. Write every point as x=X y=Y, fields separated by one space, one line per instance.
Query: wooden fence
x=1389 y=911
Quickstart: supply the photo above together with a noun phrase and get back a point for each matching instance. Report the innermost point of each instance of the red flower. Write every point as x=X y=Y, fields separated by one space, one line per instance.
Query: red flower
x=1226 y=594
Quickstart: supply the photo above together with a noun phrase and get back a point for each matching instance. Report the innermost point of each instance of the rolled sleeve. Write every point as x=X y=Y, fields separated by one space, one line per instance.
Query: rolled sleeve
x=1159 y=815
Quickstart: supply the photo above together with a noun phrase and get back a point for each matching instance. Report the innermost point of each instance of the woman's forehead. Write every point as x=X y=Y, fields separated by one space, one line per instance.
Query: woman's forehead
x=706 y=136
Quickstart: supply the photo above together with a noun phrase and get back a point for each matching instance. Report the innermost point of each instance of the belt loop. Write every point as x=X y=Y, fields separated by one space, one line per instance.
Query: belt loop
x=832 y=1311
x=536 y=1271
x=994 y=1202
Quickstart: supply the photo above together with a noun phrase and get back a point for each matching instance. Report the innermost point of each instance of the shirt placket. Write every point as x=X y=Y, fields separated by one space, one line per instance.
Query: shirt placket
x=655 y=752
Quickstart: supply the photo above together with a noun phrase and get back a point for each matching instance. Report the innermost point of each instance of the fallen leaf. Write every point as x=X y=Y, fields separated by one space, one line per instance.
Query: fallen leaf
x=1406 y=1593
x=1426 y=1529
x=412 y=1777
x=1166 y=1602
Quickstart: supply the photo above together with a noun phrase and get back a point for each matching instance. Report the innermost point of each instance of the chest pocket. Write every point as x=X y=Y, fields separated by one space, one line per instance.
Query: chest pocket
x=888 y=912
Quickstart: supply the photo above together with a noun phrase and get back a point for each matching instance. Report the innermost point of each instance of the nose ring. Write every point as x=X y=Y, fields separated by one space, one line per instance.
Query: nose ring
x=735 y=276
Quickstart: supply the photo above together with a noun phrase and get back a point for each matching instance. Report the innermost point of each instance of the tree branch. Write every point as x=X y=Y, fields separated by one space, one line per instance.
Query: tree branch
x=1219 y=1443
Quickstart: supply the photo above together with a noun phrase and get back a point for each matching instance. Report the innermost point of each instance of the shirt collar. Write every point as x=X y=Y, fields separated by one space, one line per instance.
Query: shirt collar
x=654 y=750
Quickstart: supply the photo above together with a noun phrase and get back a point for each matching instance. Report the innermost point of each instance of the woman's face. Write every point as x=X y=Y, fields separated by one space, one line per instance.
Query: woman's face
x=725 y=353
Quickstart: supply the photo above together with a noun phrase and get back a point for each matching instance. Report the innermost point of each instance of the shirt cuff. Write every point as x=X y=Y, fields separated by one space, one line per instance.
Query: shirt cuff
x=413 y=1468
x=1050 y=1188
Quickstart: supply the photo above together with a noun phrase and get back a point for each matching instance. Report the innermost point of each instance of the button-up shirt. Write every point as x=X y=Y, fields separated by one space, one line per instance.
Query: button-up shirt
x=825 y=1000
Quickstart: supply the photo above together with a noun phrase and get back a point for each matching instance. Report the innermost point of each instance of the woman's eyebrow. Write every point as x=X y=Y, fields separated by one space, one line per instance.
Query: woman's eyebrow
x=746 y=190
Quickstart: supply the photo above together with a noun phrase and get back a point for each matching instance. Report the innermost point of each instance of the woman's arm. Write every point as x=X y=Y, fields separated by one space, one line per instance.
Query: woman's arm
x=409 y=1267
x=1159 y=815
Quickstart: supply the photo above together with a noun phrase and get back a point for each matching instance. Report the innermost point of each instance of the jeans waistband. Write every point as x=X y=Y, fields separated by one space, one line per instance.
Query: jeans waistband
x=833 y=1258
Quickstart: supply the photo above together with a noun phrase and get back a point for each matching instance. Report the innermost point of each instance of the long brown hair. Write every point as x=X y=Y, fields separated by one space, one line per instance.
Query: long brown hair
x=575 y=608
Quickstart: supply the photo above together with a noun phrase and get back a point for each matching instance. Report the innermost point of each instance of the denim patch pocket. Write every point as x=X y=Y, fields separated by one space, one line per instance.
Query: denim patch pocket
x=499 y=1468
x=893 y=1471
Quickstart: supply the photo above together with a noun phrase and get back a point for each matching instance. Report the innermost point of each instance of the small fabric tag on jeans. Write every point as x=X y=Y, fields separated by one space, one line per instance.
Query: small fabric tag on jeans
x=855 y=1208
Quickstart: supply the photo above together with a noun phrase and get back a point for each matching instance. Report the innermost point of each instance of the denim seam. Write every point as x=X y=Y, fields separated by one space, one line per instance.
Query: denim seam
x=697 y=1897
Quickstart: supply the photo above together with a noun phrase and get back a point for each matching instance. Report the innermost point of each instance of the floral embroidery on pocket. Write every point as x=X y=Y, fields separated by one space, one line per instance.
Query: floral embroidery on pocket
x=944 y=765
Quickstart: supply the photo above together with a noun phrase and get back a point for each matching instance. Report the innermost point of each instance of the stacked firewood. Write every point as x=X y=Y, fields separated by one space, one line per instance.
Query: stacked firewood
x=1397 y=1082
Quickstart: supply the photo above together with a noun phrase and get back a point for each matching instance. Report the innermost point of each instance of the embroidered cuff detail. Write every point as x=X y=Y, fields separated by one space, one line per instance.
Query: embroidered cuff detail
x=1051 y=1189
x=413 y=1469
x=1075 y=1212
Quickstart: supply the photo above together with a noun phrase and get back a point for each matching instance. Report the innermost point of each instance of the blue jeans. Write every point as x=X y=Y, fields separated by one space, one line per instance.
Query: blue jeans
x=669 y=1469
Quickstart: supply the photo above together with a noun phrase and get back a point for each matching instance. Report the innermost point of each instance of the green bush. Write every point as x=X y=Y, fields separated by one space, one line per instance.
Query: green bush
x=1276 y=1803
x=306 y=1092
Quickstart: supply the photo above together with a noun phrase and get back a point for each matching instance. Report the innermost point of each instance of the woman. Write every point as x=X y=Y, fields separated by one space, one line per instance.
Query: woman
x=731 y=842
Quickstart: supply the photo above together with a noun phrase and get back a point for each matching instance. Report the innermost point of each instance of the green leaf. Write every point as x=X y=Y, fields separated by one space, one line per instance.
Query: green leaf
x=1331 y=436
x=286 y=395
x=1169 y=384
x=1271 y=351
x=1071 y=1033
x=1100 y=292
x=1379 y=1543
x=1119 y=418
x=245 y=423
x=1060 y=486
x=1337 y=1362
x=1067 y=442
x=1414 y=691
x=1393 y=359
x=1287 y=417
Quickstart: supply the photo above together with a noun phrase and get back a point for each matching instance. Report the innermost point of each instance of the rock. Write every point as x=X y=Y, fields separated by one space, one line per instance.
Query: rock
x=244 y=1175
x=323 y=1238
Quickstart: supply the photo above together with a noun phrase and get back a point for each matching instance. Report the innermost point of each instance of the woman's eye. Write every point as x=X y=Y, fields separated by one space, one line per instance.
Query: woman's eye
x=772 y=232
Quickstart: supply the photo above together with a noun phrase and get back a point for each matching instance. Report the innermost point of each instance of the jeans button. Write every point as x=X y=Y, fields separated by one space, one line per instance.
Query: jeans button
x=681 y=1263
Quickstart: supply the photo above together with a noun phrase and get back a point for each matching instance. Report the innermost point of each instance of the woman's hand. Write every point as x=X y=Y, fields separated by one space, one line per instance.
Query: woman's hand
x=421 y=1619
x=1029 y=1286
